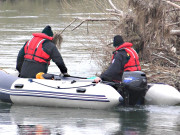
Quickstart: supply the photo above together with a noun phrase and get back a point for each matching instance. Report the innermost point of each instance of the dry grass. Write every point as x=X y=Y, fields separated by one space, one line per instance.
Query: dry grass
x=159 y=74
x=156 y=45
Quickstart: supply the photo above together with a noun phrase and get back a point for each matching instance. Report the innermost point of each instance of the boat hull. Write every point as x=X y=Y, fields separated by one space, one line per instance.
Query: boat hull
x=162 y=94
x=57 y=93
x=75 y=93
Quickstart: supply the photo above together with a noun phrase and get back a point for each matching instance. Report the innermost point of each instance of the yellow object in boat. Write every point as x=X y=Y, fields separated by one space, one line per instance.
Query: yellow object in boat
x=39 y=75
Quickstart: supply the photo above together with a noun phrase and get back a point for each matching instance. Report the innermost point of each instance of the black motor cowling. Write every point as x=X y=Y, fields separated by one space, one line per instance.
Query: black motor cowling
x=134 y=87
x=134 y=81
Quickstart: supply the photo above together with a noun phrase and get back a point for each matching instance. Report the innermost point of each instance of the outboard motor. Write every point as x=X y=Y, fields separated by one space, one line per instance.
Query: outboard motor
x=134 y=87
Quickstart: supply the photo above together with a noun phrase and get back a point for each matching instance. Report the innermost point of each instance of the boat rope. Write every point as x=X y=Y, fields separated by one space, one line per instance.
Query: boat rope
x=58 y=87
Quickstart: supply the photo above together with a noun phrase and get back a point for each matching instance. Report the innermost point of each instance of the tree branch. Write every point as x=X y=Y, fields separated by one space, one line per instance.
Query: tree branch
x=172 y=4
x=166 y=59
x=175 y=32
x=92 y=20
x=176 y=23
x=115 y=9
x=68 y=26
x=177 y=0
x=78 y=25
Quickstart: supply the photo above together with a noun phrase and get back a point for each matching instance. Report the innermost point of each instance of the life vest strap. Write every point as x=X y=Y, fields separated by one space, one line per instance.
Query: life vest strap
x=47 y=60
x=37 y=48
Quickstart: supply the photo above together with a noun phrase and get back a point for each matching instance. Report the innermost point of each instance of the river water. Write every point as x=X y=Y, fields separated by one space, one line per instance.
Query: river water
x=18 y=20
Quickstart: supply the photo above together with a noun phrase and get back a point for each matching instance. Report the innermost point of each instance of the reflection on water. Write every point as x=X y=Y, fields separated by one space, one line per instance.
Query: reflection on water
x=66 y=121
x=33 y=129
x=133 y=120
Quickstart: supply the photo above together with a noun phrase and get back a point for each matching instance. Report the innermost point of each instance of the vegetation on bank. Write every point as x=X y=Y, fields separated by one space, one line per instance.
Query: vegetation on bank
x=153 y=26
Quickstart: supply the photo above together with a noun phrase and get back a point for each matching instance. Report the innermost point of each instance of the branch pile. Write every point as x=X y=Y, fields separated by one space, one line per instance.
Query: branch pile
x=157 y=26
x=154 y=29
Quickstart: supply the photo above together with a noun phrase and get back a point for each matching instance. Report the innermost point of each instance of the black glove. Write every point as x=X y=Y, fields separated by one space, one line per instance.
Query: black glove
x=66 y=75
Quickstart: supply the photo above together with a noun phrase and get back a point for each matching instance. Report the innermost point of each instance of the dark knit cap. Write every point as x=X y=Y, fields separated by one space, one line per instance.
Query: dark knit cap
x=118 y=40
x=47 y=30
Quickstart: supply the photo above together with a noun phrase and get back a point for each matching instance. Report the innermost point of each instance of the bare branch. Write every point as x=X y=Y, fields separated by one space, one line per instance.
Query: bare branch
x=92 y=20
x=78 y=25
x=97 y=19
x=113 y=12
x=173 y=4
x=177 y=0
x=173 y=23
x=68 y=26
x=115 y=9
x=166 y=59
x=175 y=32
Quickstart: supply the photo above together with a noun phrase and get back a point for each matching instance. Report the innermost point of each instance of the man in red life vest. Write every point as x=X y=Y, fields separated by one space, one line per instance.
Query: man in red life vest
x=35 y=55
x=124 y=58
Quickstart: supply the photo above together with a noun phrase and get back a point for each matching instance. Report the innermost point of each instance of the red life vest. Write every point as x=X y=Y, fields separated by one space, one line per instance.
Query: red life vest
x=33 y=48
x=133 y=63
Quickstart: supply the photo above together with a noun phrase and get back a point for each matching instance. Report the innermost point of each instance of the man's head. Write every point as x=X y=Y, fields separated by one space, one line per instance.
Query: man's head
x=47 y=30
x=118 y=40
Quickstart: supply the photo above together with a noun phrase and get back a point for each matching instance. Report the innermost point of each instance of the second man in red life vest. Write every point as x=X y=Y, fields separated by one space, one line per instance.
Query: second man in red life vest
x=35 y=55
x=124 y=58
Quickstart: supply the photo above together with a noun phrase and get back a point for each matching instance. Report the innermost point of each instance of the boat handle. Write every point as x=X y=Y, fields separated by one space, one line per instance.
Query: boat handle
x=19 y=85
x=80 y=90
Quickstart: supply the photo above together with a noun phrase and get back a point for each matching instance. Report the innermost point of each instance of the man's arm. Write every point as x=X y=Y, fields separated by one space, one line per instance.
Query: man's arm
x=20 y=59
x=55 y=55
x=115 y=70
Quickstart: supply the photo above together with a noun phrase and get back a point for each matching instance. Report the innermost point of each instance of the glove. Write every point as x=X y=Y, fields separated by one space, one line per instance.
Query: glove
x=66 y=75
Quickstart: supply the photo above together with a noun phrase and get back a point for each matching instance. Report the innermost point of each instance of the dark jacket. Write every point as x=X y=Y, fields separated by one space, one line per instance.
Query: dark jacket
x=29 y=68
x=116 y=68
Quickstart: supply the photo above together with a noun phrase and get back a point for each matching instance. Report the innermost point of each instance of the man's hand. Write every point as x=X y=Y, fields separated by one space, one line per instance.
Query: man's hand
x=97 y=79
x=66 y=75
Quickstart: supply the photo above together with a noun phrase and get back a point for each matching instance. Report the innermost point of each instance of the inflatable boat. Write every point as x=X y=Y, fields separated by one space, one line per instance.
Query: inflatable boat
x=61 y=92
x=82 y=93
